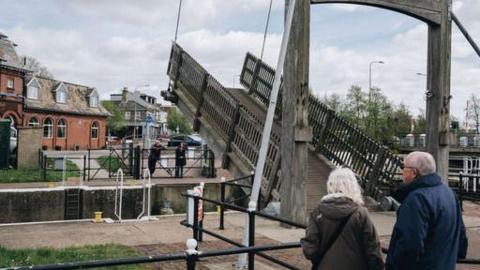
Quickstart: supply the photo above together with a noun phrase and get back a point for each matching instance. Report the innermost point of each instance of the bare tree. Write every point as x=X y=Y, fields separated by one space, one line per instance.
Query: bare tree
x=474 y=111
x=37 y=67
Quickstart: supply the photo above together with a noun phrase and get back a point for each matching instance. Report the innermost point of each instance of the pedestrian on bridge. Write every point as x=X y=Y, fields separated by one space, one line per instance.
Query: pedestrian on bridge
x=340 y=234
x=429 y=232
x=154 y=156
x=180 y=160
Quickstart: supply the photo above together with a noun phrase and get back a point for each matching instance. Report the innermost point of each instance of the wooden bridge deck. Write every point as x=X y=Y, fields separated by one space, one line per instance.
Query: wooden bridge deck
x=318 y=168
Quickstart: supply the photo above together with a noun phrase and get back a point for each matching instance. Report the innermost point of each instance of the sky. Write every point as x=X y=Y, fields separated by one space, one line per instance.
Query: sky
x=110 y=44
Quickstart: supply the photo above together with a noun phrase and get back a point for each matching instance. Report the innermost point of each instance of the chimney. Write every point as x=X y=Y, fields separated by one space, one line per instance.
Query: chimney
x=125 y=94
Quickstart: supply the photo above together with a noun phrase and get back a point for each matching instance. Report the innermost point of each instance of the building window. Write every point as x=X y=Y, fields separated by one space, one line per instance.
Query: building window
x=138 y=115
x=61 y=129
x=95 y=130
x=10 y=84
x=32 y=92
x=61 y=96
x=127 y=115
x=94 y=101
x=33 y=122
x=47 y=128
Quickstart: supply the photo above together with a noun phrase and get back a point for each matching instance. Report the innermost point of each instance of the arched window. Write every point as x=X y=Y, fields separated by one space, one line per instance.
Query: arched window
x=94 y=130
x=61 y=128
x=48 y=128
x=33 y=122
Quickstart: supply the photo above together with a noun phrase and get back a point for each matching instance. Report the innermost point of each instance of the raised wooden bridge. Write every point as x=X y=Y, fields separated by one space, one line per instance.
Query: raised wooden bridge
x=232 y=120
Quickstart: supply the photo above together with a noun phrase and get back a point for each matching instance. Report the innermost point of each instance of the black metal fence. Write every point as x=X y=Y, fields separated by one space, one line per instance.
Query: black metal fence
x=92 y=165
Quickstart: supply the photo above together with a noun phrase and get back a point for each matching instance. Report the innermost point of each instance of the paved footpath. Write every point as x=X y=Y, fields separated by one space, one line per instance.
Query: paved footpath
x=166 y=235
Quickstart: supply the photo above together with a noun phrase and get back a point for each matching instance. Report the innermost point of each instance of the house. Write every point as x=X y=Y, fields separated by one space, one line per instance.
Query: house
x=11 y=82
x=137 y=107
x=70 y=114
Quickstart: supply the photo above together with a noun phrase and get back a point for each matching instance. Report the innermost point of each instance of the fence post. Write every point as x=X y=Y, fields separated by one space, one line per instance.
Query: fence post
x=136 y=161
x=110 y=163
x=252 y=206
x=222 y=200
x=192 y=254
x=88 y=160
x=212 y=163
x=195 y=217
x=130 y=157
x=84 y=166
x=44 y=167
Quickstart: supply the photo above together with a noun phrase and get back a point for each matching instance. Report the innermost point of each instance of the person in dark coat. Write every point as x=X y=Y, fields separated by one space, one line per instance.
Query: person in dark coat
x=154 y=156
x=357 y=245
x=429 y=232
x=180 y=160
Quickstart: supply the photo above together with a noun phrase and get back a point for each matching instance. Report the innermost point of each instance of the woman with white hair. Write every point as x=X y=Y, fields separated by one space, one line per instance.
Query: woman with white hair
x=340 y=234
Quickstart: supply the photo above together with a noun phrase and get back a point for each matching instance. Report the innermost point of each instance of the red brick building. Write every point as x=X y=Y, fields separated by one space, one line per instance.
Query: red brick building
x=11 y=82
x=70 y=114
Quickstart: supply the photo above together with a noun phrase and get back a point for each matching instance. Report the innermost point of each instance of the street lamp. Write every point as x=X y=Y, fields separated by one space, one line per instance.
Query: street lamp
x=370 y=73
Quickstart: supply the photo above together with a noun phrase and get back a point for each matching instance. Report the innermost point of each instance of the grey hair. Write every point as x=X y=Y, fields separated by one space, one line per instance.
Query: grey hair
x=342 y=181
x=422 y=161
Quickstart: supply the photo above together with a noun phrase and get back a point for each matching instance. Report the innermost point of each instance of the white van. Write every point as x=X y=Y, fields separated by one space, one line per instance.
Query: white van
x=13 y=139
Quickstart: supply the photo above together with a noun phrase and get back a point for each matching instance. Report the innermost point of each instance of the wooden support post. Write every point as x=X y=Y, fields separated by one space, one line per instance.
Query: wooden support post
x=196 y=120
x=296 y=134
x=438 y=95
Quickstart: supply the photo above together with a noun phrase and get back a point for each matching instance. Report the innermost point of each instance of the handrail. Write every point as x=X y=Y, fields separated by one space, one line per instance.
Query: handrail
x=118 y=209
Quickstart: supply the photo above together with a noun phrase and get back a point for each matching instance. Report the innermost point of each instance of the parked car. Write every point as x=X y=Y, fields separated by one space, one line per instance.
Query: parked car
x=13 y=139
x=190 y=140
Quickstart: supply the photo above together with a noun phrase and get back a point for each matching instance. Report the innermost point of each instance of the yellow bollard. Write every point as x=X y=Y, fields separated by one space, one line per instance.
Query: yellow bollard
x=51 y=184
x=218 y=209
x=98 y=217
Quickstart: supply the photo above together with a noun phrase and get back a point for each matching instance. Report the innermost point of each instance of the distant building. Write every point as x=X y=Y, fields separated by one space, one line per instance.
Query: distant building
x=71 y=115
x=11 y=82
x=136 y=107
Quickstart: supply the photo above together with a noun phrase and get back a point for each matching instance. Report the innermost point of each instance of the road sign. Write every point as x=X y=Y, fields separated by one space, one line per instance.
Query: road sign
x=149 y=120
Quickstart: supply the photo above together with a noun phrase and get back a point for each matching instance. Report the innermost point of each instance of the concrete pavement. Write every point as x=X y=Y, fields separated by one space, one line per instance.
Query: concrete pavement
x=167 y=235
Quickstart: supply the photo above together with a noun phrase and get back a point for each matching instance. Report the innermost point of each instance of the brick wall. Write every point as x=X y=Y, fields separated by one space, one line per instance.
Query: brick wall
x=79 y=131
x=29 y=141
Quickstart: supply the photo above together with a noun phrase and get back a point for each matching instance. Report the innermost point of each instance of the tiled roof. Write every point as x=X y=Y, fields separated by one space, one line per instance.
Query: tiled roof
x=8 y=55
x=76 y=102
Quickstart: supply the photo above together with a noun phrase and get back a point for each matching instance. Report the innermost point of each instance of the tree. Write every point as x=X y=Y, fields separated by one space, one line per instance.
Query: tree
x=334 y=102
x=356 y=105
x=401 y=122
x=175 y=119
x=474 y=111
x=116 y=121
x=37 y=67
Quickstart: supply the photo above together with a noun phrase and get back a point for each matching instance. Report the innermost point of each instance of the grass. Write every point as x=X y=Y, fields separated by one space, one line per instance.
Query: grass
x=27 y=257
x=104 y=161
x=27 y=176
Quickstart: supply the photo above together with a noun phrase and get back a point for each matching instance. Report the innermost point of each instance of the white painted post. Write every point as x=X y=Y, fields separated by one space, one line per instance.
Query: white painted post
x=267 y=130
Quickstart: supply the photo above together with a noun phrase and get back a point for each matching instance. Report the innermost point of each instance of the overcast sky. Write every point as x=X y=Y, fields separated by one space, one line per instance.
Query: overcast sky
x=109 y=44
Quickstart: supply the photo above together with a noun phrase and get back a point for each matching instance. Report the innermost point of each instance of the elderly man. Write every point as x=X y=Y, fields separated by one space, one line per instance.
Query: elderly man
x=429 y=232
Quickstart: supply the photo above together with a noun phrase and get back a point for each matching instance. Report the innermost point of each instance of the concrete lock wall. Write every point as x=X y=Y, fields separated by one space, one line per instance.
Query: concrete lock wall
x=29 y=141
x=49 y=205
x=32 y=206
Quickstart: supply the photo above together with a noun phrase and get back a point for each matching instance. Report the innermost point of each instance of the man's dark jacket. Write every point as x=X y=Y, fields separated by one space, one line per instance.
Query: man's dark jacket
x=429 y=232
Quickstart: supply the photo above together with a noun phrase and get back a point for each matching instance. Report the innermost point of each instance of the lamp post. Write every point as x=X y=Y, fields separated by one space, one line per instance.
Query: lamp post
x=370 y=97
x=370 y=78
x=135 y=127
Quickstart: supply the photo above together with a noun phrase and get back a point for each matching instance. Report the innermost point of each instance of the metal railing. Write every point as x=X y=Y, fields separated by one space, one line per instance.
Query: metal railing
x=198 y=230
